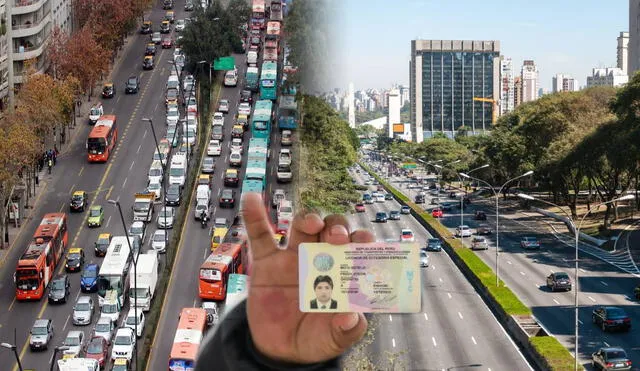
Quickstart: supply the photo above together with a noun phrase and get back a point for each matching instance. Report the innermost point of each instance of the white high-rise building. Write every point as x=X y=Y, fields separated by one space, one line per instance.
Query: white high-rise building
x=623 y=52
x=633 y=63
x=507 y=93
x=607 y=77
x=4 y=58
x=530 y=81
x=404 y=95
x=394 y=110
x=352 y=111
x=561 y=82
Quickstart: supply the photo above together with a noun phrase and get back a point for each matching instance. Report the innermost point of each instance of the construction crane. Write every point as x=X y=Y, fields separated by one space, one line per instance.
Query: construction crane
x=495 y=106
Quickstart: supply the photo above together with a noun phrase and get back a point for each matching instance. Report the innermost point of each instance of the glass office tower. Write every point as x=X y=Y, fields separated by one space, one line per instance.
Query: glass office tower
x=445 y=77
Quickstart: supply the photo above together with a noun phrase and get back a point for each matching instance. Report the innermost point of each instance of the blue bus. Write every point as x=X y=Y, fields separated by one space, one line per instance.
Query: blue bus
x=288 y=112
x=261 y=119
x=268 y=80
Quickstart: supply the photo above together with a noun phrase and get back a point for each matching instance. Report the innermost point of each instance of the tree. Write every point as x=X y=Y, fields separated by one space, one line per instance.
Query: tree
x=36 y=107
x=56 y=50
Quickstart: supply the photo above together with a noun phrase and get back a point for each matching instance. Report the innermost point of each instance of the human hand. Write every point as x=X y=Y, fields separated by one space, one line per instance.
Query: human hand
x=279 y=329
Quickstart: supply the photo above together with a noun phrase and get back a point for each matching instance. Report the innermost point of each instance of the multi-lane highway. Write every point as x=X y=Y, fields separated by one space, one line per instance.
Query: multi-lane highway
x=455 y=329
x=601 y=282
x=120 y=178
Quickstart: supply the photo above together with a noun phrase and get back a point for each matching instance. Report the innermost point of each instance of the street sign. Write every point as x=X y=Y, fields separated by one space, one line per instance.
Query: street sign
x=409 y=165
x=224 y=64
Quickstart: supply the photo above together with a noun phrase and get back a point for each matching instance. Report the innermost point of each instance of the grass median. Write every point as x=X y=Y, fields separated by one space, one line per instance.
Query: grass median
x=555 y=355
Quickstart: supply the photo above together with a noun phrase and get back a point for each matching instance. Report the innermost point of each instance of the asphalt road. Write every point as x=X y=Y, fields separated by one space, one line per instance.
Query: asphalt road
x=120 y=178
x=194 y=246
x=600 y=282
x=455 y=329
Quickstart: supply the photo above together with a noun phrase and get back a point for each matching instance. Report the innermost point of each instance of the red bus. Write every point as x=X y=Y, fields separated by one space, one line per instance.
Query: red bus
x=214 y=272
x=37 y=265
x=270 y=51
x=102 y=139
x=189 y=334
x=258 y=20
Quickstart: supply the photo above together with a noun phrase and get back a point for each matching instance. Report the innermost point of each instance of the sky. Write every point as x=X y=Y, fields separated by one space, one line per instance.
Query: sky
x=561 y=36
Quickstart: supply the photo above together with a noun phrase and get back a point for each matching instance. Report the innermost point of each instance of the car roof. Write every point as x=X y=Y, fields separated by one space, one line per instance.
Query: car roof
x=74 y=250
x=41 y=322
x=104 y=235
x=95 y=207
x=78 y=193
x=232 y=171
x=148 y=57
x=103 y=320
x=83 y=299
x=75 y=333
x=137 y=223
x=92 y=266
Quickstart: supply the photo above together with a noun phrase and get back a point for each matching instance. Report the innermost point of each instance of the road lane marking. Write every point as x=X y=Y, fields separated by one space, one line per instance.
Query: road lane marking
x=592 y=299
x=108 y=221
x=393 y=342
x=66 y=322
x=474 y=340
x=449 y=295
x=555 y=301
x=145 y=134
x=522 y=273
x=390 y=318
x=12 y=302
x=426 y=317
x=140 y=146
x=108 y=193
x=460 y=315
x=434 y=341
x=123 y=183
x=509 y=262
x=605 y=344
x=552 y=272
x=580 y=322
x=604 y=283
x=433 y=267
x=132 y=163
x=81 y=170
x=441 y=280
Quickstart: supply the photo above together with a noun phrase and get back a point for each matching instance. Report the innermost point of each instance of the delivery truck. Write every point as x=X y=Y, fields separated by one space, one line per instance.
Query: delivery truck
x=143 y=286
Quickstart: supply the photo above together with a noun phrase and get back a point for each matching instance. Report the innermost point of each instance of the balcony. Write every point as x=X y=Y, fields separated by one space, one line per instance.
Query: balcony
x=18 y=69
x=26 y=6
x=29 y=27
x=23 y=53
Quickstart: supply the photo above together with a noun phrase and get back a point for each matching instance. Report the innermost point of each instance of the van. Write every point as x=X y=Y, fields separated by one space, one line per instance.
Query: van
x=203 y=193
x=177 y=171
x=252 y=57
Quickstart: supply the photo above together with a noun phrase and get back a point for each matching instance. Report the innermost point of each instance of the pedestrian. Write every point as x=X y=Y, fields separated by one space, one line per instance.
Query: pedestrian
x=50 y=164
x=62 y=135
x=54 y=156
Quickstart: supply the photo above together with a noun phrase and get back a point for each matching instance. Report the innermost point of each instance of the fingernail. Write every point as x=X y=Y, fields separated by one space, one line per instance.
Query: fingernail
x=312 y=217
x=349 y=321
x=338 y=230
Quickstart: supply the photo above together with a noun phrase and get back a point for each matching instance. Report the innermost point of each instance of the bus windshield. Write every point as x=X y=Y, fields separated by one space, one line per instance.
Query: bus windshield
x=260 y=125
x=210 y=274
x=108 y=283
x=96 y=145
x=268 y=83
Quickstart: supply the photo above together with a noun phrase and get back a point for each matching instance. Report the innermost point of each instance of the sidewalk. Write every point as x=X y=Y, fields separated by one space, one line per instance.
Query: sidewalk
x=72 y=138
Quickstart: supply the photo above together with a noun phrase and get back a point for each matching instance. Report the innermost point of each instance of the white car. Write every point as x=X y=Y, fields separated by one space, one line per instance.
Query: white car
x=189 y=136
x=406 y=235
x=179 y=26
x=123 y=344
x=244 y=108
x=192 y=120
x=173 y=115
x=235 y=159
x=176 y=53
x=463 y=231
x=165 y=218
x=187 y=82
x=156 y=189
x=214 y=148
x=231 y=78
x=223 y=106
x=130 y=320
x=217 y=119
x=137 y=228
x=104 y=327
x=155 y=172
x=285 y=157
x=158 y=241
x=192 y=104
x=236 y=145
x=75 y=342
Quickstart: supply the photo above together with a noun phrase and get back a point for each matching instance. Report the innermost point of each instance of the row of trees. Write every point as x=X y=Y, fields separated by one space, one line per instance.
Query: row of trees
x=578 y=141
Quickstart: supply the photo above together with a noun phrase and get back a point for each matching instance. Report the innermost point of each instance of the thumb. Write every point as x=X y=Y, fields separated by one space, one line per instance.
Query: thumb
x=347 y=329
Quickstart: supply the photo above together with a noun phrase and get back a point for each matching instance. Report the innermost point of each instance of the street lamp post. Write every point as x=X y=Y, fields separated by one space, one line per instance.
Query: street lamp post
x=15 y=352
x=576 y=231
x=135 y=277
x=55 y=352
x=497 y=196
x=164 y=174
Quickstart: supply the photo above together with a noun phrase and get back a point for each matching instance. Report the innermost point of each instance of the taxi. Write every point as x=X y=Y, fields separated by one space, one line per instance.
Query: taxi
x=237 y=131
x=78 y=201
x=220 y=229
x=204 y=179
x=170 y=16
x=120 y=364
x=108 y=90
x=102 y=244
x=244 y=121
x=231 y=178
x=75 y=260
x=69 y=356
x=96 y=216
x=165 y=27
x=147 y=63
x=146 y=27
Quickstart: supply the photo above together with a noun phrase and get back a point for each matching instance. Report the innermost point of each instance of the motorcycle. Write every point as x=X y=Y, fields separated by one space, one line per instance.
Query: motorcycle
x=203 y=221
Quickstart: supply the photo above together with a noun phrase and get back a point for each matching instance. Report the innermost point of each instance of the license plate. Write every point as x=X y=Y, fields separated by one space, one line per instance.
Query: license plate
x=619 y=364
x=619 y=322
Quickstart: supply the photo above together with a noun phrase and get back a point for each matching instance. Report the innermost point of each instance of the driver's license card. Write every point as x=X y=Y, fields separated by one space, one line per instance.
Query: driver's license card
x=375 y=277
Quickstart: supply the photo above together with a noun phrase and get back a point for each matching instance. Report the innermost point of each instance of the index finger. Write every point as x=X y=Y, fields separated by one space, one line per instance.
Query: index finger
x=259 y=230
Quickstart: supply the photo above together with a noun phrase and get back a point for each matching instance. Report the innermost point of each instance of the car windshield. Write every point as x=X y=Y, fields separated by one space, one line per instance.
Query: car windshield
x=562 y=276
x=103 y=327
x=616 y=312
x=122 y=340
x=72 y=341
x=423 y=254
x=95 y=212
x=74 y=256
x=131 y=320
x=89 y=273
x=434 y=240
x=158 y=237
x=77 y=198
x=227 y=194
x=155 y=172
x=58 y=284
x=82 y=307
x=136 y=230
x=132 y=81
x=616 y=354
x=176 y=171
x=95 y=347
x=173 y=191
x=39 y=331
x=168 y=213
x=154 y=186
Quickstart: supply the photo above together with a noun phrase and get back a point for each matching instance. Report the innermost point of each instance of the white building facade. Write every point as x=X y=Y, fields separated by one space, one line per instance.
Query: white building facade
x=507 y=93
x=561 y=82
x=394 y=110
x=633 y=63
x=530 y=82
x=612 y=76
x=622 y=55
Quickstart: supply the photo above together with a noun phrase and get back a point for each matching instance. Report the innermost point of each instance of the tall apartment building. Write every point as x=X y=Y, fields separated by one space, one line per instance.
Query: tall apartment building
x=612 y=76
x=4 y=56
x=530 y=83
x=517 y=91
x=507 y=93
x=31 y=24
x=394 y=110
x=561 y=82
x=404 y=95
x=623 y=52
x=633 y=64
x=445 y=76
